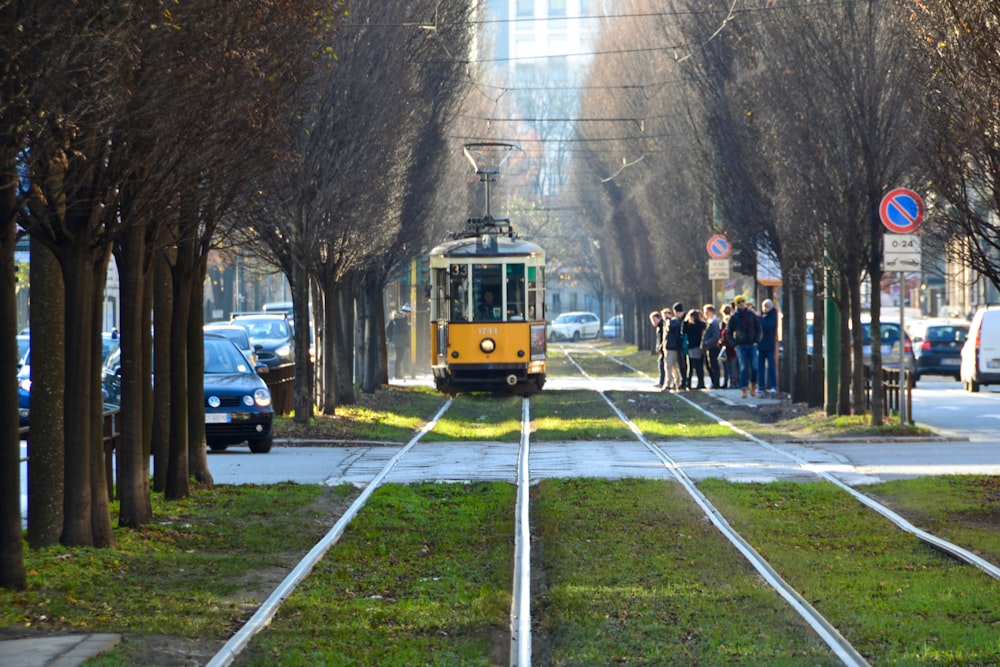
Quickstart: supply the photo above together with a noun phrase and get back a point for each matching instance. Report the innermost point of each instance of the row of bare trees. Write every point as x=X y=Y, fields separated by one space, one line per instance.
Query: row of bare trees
x=157 y=131
x=783 y=126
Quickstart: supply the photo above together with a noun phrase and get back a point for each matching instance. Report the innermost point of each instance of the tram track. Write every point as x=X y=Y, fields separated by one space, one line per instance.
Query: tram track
x=900 y=522
x=521 y=609
x=836 y=642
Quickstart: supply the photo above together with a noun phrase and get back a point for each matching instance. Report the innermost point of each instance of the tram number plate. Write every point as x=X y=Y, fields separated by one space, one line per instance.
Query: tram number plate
x=487 y=331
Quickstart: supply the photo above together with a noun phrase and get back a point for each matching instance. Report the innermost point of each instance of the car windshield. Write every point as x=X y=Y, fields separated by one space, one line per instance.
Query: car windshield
x=237 y=335
x=264 y=327
x=564 y=319
x=221 y=356
x=947 y=334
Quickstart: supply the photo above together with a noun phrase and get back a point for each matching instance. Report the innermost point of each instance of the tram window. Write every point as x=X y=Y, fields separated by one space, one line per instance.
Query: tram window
x=488 y=292
x=515 y=292
x=536 y=292
x=458 y=298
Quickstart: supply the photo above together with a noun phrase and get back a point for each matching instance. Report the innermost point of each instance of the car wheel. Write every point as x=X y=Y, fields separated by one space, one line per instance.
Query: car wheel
x=216 y=447
x=261 y=445
x=576 y=336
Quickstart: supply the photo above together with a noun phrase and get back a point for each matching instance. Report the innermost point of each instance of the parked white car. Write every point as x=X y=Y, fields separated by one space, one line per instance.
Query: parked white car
x=575 y=326
x=981 y=352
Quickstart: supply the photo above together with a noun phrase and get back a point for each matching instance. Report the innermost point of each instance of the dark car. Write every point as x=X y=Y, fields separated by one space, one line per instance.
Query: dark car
x=271 y=336
x=237 y=401
x=23 y=402
x=937 y=347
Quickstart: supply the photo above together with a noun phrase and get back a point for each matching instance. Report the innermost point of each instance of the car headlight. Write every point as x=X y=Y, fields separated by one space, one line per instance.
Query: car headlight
x=262 y=397
x=283 y=351
x=248 y=400
x=25 y=384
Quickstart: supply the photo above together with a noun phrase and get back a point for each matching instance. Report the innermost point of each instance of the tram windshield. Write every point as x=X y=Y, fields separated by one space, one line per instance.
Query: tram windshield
x=489 y=292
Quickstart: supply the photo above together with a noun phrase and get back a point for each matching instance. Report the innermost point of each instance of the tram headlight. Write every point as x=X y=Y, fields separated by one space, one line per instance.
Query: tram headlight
x=487 y=345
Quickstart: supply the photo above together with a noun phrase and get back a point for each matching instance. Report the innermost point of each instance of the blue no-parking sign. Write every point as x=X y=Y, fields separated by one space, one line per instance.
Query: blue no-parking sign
x=718 y=247
x=901 y=211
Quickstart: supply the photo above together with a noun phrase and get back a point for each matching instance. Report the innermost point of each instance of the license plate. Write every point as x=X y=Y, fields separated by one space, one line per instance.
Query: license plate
x=951 y=362
x=217 y=418
x=993 y=363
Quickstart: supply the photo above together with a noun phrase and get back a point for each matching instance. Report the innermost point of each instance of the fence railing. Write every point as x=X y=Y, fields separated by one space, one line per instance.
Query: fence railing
x=894 y=390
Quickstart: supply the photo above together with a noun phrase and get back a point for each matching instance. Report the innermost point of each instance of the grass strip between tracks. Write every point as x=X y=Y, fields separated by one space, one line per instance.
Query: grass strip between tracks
x=897 y=600
x=625 y=571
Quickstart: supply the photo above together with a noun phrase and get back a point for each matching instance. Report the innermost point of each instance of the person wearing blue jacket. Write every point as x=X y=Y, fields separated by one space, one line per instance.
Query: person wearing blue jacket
x=767 y=348
x=743 y=332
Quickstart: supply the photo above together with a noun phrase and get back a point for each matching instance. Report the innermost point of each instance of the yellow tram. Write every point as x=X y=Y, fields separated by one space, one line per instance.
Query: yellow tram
x=487 y=305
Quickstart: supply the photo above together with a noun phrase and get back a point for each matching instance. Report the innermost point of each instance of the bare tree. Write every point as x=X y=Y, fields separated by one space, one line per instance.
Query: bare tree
x=957 y=39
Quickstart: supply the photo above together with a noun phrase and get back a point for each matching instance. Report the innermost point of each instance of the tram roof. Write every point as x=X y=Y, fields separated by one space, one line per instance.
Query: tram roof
x=505 y=247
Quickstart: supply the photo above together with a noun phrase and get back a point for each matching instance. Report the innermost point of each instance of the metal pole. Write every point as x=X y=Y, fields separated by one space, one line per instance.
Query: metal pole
x=904 y=407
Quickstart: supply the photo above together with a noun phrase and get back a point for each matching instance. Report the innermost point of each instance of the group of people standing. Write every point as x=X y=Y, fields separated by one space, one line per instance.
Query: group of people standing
x=737 y=349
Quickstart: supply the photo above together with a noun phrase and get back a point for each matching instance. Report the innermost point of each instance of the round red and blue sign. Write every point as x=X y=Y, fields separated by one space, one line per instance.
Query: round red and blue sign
x=901 y=211
x=719 y=247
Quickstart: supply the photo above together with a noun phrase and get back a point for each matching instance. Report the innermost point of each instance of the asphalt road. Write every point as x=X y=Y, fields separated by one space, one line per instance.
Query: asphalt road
x=969 y=425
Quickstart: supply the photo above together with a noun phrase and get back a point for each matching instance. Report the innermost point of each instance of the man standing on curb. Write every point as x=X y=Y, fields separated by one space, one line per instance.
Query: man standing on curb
x=710 y=343
x=744 y=332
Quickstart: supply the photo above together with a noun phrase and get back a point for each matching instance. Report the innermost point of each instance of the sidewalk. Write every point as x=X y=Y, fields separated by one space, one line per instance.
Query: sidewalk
x=55 y=650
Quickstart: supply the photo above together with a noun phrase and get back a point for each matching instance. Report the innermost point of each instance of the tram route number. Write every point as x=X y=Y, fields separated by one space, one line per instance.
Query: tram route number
x=488 y=331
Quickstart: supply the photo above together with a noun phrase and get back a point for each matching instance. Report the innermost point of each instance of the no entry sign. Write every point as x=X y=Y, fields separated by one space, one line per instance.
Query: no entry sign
x=718 y=247
x=901 y=211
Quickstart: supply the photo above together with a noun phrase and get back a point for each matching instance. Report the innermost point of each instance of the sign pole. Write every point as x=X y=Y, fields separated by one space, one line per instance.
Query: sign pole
x=902 y=211
x=904 y=407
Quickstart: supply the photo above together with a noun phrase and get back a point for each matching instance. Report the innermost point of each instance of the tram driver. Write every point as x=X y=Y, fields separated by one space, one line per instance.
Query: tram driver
x=488 y=309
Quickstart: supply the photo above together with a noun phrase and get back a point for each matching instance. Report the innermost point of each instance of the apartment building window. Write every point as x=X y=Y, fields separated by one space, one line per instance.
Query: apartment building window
x=525 y=9
x=557 y=8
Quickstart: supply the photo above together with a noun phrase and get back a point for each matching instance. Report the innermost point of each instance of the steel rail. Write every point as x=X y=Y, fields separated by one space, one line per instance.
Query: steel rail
x=950 y=548
x=842 y=648
x=265 y=613
x=520 y=608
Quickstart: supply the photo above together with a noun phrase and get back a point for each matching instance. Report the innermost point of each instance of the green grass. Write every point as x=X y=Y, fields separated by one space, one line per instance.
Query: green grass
x=422 y=576
x=389 y=414
x=964 y=509
x=183 y=575
x=633 y=574
x=480 y=416
x=575 y=415
x=893 y=598
x=663 y=416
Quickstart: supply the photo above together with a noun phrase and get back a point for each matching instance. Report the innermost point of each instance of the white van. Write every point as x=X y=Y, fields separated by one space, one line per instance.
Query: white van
x=981 y=352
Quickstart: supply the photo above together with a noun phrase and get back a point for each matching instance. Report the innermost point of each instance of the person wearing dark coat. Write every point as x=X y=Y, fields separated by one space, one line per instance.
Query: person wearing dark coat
x=694 y=329
x=767 y=347
x=710 y=343
x=398 y=333
x=656 y=319
x=673 y=342
x=744 y=332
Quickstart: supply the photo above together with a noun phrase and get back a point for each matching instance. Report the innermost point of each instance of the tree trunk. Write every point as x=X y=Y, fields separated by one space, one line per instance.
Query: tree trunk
x=303 y=365
x=795 y=318
x=374 y=359
x=100 y=517
x=48 y=372
x=197 y=450
x=329 y=358
x=86 y=518
x=344 y=343
x=163 y=308
x=12 y=572
x=177 y=466
x=132 y=474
